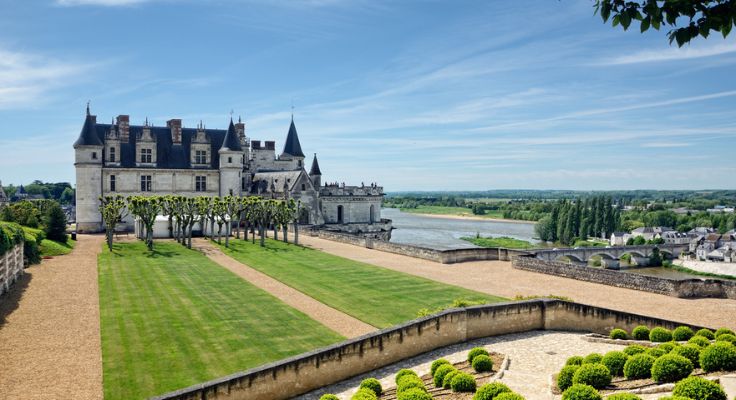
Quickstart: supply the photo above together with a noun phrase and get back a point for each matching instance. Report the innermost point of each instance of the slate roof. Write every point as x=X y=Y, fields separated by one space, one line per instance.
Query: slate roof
x=292 y=146
x=264 y=180
x=231 y=141
x=315 y=167
x=88 y=135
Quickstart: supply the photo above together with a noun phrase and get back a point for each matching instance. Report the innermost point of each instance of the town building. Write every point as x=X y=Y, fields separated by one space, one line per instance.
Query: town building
x=123 y=159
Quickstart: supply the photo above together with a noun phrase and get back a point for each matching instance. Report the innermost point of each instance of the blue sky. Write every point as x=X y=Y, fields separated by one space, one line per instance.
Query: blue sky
x=425 y=95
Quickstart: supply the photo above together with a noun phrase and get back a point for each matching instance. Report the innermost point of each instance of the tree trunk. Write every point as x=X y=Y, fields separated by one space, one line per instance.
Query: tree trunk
x=110 y=232
x=275 y=232
x=171 y=226
x=263 y=235
x=296 y=233
x=228 y=227
x=286 y=230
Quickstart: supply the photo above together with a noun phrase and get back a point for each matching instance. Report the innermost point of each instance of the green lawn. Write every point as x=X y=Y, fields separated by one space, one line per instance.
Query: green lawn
x=51 y=248
x=378 y=296
x=507 y=242
x=174 y=318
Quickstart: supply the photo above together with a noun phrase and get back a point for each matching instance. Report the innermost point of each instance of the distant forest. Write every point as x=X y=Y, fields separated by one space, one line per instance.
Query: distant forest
x=59 y=191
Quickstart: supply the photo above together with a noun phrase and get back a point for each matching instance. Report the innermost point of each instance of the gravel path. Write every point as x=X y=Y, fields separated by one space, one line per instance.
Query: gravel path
x=50 y=329
x=336 y=320
x=499 y=278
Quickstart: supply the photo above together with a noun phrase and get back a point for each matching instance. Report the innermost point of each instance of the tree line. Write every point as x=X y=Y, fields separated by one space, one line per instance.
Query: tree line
x=580 y=219
x=252 y=213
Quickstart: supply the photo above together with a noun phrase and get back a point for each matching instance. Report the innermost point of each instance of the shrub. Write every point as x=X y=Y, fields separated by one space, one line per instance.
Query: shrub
x=721 y=331
x=581 y=392
x=699 y=340
x=726 y=337
x=674 y=398
x=593 y=358
x=655 y=352
x=639 y=366
x=409 y=382
x=476 y=351
x=619 y=334
x=413 y=394
x=482 y=363
x=490 y=391
x=623 y=396
x=574 y=360
x=698 y=388
x=404 y=372
x=719 y=356
x=671 y=368
x=463 y=382
x=364 y=394
x=689 y=351
x=659 y=334
x=447 y=382
x=641 y=332
x=372 y=384
x=634 y=349
x=439 y=374
x=436 y=364
x=614 y=361
x=706 y=333
x=564 y=378
x=509 y=396
x=596 y=375
x=55 y=223
x=682 y=333
x=667 y=347
x=329 y=397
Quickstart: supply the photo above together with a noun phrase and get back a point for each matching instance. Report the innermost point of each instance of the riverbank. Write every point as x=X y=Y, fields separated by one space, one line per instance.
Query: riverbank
x=459 y=213
x=471 y=217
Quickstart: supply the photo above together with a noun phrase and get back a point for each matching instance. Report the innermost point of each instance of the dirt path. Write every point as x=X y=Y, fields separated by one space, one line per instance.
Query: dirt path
x=50 y=329
x=336 y=320
x=499 y=278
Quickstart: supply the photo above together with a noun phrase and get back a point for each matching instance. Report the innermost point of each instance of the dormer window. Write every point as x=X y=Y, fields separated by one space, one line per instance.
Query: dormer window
x=112 y=154
x=200 y=157
x=146 y=155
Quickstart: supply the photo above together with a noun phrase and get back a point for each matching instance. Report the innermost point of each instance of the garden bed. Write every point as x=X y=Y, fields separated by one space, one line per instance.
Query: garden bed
x=620 y=384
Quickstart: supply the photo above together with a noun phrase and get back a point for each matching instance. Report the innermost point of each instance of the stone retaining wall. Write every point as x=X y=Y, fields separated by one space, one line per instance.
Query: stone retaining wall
x=11 y=267
x=688 y=288
x=303 y=373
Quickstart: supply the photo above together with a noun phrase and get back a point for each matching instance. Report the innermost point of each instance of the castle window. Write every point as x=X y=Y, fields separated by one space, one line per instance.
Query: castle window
x=146 y=155
x=229 y=160
x=300 y=163
x=145 y=183
x=242 y=183
x=112 y=183
x=304 y=187
x=200 y=157
x=112 y=154
x=200 y=183
x=94 y=155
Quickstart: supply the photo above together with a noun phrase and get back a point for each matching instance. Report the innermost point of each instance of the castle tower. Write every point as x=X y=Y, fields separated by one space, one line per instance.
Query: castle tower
x=315 y=174
x=231 y=163
x=88 y=160
x=292 y=147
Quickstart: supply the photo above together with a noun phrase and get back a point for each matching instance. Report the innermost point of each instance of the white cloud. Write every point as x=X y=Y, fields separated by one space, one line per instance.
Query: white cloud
x=671 y=54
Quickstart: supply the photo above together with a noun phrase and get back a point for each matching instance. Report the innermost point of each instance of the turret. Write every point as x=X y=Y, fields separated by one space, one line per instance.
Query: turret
x=88 y=159
x=231 y=163
x=315 y=174
x=292 y=147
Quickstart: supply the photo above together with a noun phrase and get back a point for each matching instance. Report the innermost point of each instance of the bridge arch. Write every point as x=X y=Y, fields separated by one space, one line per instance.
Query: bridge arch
x=569 y=257
x=603 y=254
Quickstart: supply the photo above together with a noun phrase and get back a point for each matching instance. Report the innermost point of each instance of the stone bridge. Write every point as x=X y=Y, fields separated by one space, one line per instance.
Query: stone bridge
x=583 y=254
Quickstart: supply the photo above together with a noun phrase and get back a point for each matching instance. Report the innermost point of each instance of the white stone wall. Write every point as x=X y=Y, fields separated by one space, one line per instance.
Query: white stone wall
x=11 y=267
x=164 y=181
x=89 y=188
x=264 y=159
x=355 y=210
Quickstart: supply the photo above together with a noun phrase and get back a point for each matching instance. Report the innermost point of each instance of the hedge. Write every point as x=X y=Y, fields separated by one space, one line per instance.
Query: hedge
x=364 y=394
x=564 y=378
x=671 y=368
x=490 y=391
x=509 y=396
x=463 y=382
x=619 y=334
x=689 y=351
x=439 y=374
x=482 y=363
x=682 y=333
x=413 y=394
x=700 y=341
x=698 y=388
x=615 y=361
x=581 y=392
x=404 y=372
x=436 y=364
x=659 y=334
x=574 y=360
x=476 y=351
x=447 y=382
x=329 y=397
x=623 y=396
x=638 y=366
x=641 y=332
x=720 y=356
x=634 y=349
x=372 y=384
x=596 y=375
x=593 y=358
x=706 y=333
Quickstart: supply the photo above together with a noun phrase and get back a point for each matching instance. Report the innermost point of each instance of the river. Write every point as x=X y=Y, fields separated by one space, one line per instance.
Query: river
x=445 y=233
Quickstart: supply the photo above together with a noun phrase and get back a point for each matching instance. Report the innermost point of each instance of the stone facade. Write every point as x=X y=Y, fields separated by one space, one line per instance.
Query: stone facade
x=11 y=267
x=124 y=159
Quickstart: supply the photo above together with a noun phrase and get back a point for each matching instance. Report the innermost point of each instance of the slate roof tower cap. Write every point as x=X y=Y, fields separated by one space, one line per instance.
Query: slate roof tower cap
x=292 y=146
x=231 y=141
x=314 y=171
x=88 y=135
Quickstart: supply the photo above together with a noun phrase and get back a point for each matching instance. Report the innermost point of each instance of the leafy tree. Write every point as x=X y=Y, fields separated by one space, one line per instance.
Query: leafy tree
x=655 y=259
x=67 y=196
x=702 y=16
x=113 y=211
x=55 y=223
x=146 y=209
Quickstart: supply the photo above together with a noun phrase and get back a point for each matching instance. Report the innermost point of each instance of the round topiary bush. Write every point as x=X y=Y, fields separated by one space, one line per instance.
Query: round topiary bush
x=699 y=340
x=410 y=382
x=463 y=382
x=682 y=333
x=655 y=352
x=329 y=397
x=619 y=334
x=706 y=333
x=364 y=394
x=476 y=351
x=596 y=375
x=447 y=382
x=614 y=361
x=482 y=363
x=574 y=360
x=581 y=392
x=404 y=372
x=623 y=396
x=372 y=384
x=689 y=351
x=564 y=377
x=634 y=349
x=660 y=334
x=436 y=364
x=641 y=332
x=721 y=331
x=698 y=388
x=726 y=337
x=674 y=398
x=671 y=368
x=719 y=356
x=639 y=366
x=667 y=347
x=439 y=374
x=509 y=396
x=490 y=391
x=413 y=394
x=593 y=358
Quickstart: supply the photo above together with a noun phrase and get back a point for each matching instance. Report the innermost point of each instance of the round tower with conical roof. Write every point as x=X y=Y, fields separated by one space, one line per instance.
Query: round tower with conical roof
x=231 y=163
x=88 y=165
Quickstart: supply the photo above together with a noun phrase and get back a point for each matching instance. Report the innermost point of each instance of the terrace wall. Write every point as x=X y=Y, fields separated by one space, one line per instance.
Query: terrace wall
x=303 y=373
x=11 y=267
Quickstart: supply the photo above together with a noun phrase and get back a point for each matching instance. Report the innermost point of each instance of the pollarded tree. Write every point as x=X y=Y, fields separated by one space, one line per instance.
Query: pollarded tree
x=203 y=210
x=146 y=209
x=219 y=209
x=113 y=211
x=167 y=205
x=231 y=211
x=189 y=210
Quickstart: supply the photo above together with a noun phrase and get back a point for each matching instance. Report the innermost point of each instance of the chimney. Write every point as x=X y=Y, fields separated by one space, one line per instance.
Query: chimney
x=124 y=127
x=270 y=145
x=255 y=144
x=240 y=129
x=175 y=126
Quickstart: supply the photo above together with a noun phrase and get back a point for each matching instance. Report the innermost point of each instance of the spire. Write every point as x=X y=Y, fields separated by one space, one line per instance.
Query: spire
x=292 y=146
x=314 y=171
x=87 y=107
x=88 y=135
x=231 y=140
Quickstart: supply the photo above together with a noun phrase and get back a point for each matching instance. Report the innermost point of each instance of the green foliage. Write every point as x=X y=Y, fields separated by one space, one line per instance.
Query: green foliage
x=641 y=332
x=436 y=364
x=10 y=235
x=655 y=259
x=719 y=356
x=698 y=388
x=671 y=368
x=596 y=375
x=439 y=374
x=475 y=352
x=726 y=337
x=413 y=394
x=682 y=333
x=482 y=363
x=674 y=398
x=564 y=378
x=660 y=334
x=505 y=242
x=55 y=223
x=574 y=360
x=655 y=352
x=667 y=347
x=364 y=394
x=689 y=351
x=509 y=396
x=593 y=358
x=490 y=391
x=699 y=340
x=404 y=372
x=581 y=392
x=23 y=213
x=706 y=333
x=410 y=382
x=639 y=366
x=615 y=361
x=722 y=331
x=619 y=334
x=463 y=382
x=447 y=382
x=634 y=349
x=372 y=384
x=623 y=396
x=329 y=396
